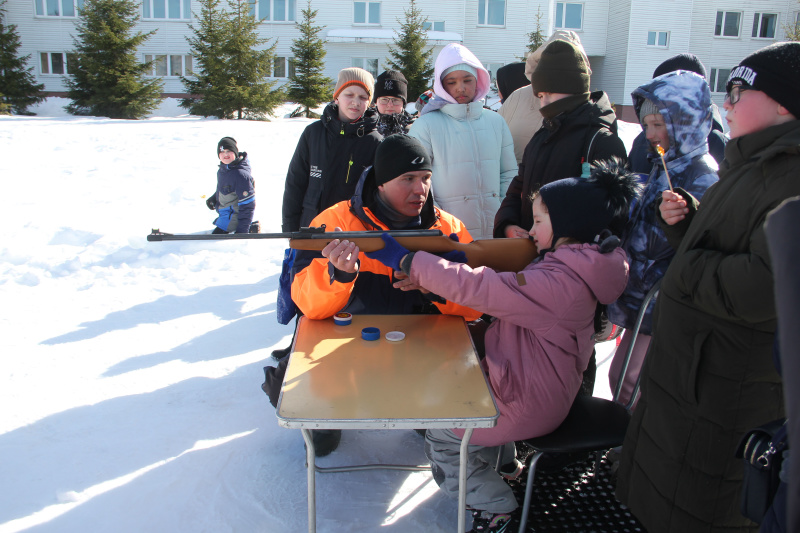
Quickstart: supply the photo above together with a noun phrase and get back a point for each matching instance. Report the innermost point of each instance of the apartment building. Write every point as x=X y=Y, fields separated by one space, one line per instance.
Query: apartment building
x=624 y=39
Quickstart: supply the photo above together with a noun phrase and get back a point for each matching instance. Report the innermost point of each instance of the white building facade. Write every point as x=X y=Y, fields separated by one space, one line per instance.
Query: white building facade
x=624 y=39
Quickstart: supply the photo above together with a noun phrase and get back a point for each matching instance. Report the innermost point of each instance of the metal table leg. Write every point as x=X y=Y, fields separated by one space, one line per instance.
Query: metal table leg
x=311 y=468
x=462 y=480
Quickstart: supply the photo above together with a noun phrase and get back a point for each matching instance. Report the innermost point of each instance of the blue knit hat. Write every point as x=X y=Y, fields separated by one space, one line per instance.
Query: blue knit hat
x=461 y=66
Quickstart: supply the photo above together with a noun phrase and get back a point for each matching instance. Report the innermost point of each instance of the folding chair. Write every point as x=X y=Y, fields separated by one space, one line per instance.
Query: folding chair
x=592 y=424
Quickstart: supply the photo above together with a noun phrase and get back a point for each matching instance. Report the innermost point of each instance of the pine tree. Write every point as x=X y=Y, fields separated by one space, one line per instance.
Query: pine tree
x=536 y=37
x=209 y=62
x=410 y=56
x=108 y=79
x=16 y=78
x=308 y=86
x=233 y=65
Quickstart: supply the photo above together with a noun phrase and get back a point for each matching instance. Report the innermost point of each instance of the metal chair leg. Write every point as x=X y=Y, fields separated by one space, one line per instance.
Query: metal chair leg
x=529 y=491
x=501 y=450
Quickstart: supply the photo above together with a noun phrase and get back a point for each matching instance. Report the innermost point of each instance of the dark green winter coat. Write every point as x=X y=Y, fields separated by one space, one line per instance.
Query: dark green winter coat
x=709 y=374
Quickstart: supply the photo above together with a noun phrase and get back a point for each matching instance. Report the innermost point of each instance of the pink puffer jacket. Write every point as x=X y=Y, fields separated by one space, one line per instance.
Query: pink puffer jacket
x=541 y=342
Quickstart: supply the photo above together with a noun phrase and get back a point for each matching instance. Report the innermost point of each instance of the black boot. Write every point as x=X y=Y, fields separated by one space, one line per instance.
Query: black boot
x=325 y=441
x=280 y=354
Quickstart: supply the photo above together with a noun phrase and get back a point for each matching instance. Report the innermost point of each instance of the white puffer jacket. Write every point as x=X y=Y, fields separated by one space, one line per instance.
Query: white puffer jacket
x=472 y=149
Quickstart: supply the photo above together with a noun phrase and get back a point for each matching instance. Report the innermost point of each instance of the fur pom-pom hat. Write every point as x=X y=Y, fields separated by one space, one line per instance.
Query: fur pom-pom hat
x=583 y=208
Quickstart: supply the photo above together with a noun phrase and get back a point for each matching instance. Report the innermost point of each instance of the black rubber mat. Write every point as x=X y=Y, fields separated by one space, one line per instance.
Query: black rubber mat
x=575 y=500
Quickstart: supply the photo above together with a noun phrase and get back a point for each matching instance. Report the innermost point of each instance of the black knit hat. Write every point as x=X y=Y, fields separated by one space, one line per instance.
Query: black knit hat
x=581 y=208
x=681 y=62
x=227 y=143
x=391 y=83
x=562 y=69
x=398 y=154
x=774 y=70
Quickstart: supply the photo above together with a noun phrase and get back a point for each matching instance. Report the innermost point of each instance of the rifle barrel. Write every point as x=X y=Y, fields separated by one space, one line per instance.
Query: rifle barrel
x=156 y=235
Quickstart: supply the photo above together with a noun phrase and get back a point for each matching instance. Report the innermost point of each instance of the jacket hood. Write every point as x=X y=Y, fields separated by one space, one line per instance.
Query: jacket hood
x=365 y=197
x=510 y=78
x=366 y=124
x=684 y=100
x=606 y=275
x=454 y=54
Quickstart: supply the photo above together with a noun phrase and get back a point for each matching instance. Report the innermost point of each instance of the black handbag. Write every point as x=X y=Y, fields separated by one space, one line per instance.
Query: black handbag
x=761 y=450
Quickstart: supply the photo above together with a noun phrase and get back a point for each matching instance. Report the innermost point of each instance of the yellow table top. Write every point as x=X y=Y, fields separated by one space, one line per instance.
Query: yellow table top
x=432 y=378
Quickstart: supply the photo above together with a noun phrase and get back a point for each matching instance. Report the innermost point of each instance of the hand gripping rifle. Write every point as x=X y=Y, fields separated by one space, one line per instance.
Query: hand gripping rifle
x=501 y=255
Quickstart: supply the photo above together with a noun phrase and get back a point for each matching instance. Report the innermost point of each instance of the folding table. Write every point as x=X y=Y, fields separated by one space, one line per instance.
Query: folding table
x=431 y=379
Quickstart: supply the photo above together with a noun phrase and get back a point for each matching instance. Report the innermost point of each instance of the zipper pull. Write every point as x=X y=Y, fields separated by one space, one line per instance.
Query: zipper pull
x=349 y=166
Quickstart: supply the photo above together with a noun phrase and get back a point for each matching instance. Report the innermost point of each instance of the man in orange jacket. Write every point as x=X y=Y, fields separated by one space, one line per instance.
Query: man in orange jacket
x=393 y=194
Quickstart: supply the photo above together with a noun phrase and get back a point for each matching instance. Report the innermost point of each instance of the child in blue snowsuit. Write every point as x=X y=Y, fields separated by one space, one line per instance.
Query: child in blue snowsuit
x=235 y=197
x=675 y=112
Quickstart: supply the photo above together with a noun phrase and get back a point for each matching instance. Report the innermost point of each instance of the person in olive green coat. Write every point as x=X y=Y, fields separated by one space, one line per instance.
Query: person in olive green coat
x=709 y=375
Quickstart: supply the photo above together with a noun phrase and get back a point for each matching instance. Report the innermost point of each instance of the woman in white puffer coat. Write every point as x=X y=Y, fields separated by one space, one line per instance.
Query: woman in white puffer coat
x=472 y=148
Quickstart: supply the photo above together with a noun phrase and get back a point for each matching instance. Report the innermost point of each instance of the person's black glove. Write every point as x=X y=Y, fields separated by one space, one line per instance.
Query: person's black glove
x=608 y=242
x=211 y=202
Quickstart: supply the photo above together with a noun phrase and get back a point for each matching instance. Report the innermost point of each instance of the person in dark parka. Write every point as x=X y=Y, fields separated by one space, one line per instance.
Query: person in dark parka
x=709 y=376
x=784 y=248
x=579 y=128
x=638 y=160
x=330 y=156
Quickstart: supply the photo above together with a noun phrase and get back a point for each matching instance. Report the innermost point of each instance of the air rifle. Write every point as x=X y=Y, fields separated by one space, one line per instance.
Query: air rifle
x=501 y=255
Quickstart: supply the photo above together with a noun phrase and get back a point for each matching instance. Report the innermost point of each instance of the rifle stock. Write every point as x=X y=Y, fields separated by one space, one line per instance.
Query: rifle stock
x=501 y=255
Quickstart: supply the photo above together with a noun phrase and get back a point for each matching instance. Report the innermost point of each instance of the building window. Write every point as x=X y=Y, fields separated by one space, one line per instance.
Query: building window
x=764 y=25
x=58 y=63
x=169 y=65
x=719 y=79
x=367 y=12
x=273 y=10
x=569 y=16
x=433 y=26
x=658 y=38
x=728 y=23
x=167 y=9
x=58 y=8
x=283 y=67
x=367 y=63
x=492 y=12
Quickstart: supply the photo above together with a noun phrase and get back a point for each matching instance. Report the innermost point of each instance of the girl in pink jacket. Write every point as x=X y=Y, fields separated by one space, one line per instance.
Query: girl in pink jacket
x=541 y=342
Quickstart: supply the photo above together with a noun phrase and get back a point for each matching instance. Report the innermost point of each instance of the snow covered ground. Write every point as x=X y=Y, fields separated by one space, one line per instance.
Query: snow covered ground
x=130 y=392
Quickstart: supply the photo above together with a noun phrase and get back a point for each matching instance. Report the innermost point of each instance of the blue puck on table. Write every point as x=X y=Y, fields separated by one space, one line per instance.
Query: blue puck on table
x=342 y=319
x=370 y=334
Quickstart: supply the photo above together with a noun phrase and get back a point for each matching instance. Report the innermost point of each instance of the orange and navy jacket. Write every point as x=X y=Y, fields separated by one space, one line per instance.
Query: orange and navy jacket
x=320 y=291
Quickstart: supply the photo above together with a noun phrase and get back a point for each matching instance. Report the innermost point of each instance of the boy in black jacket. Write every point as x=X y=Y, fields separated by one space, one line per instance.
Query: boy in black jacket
x=235 y=197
